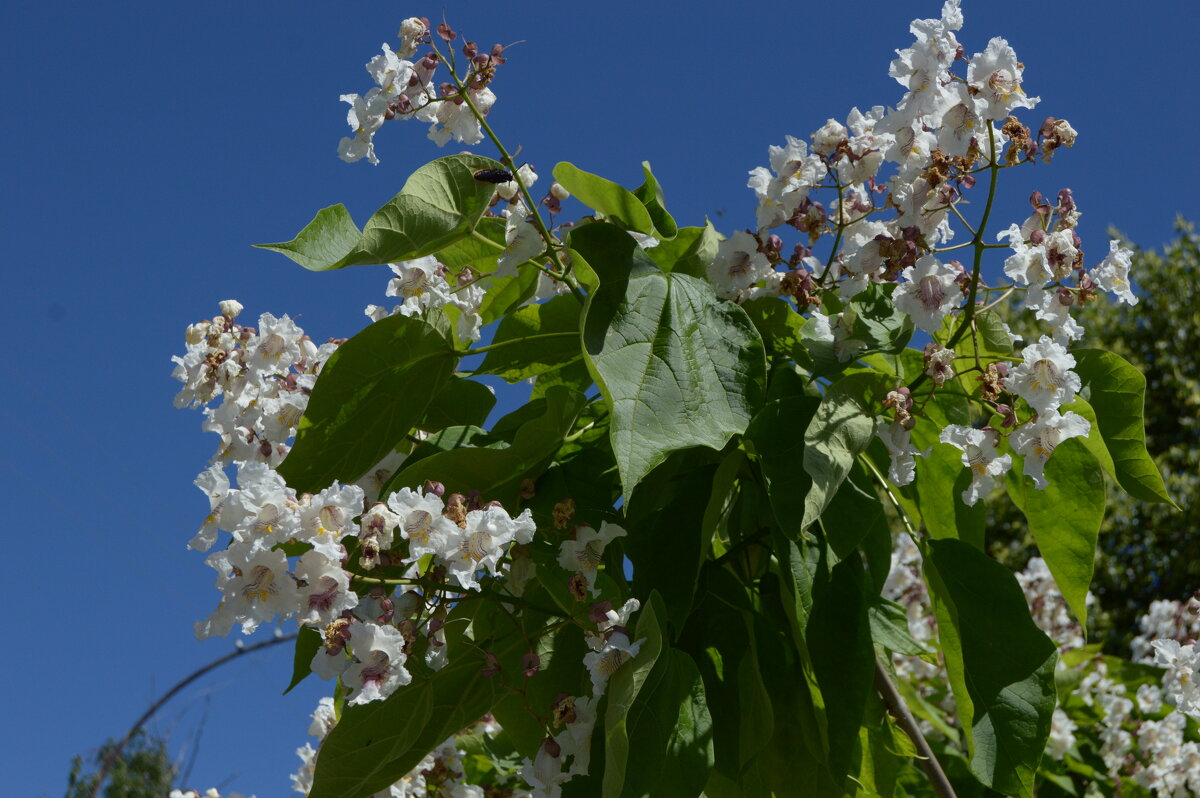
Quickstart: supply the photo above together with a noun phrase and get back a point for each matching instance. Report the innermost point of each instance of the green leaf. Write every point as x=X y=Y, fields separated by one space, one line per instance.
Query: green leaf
x=841 y=428
x=992 y=337
x=624 y=687
x=438 y=206
x=889 y=628
x=618 y=204
x=325 y=243
x=507 y=294
x=536 y=339
x=839 y=641
x=678 y=366
x=854 y=513
x=560 y=655
x=372 y=391
x=878 y=323
x=1002 y=663
x=777 y=436
x=651 y=195
x=1116 y=391
x=941 y=480
x=667 y=542
x=498 y=472
x=461 y=402
x=1065 y=517
x=691 y=251
x=1094 y=441
x=780 y=327
x=374 y=744
x=574 y=375
x=478 y=252
x=308 y=640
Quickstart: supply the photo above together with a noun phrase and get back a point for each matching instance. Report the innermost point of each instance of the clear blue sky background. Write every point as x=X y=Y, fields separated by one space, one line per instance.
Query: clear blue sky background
x=146 y=146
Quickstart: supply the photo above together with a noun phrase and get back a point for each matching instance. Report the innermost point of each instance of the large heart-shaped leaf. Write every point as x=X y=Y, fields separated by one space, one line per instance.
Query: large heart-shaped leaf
x=678 y=366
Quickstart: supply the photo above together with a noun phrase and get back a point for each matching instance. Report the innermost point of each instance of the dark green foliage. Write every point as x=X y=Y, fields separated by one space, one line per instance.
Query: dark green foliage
x=143 y=770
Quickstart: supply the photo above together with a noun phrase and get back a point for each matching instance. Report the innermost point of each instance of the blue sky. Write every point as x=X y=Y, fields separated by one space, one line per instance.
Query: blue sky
x=148 y=145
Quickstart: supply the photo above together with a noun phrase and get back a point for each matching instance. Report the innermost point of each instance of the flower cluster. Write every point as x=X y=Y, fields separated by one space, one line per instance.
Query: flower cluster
x=890 y=229
x=405 y=89
x=263 y=377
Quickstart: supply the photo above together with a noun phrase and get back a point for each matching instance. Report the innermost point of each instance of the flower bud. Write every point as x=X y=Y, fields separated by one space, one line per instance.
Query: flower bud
x=230 y=308
x=558 y=192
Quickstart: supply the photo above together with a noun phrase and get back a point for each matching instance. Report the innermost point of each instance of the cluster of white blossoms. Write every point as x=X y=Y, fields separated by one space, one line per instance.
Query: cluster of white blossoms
x=308 y=557
x=262 y=376
x=890 y=229
x=422 y=285
x=405 y=89
x=1139 y=734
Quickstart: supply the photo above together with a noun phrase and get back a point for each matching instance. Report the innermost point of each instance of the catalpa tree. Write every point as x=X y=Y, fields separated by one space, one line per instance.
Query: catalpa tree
x=733 y=543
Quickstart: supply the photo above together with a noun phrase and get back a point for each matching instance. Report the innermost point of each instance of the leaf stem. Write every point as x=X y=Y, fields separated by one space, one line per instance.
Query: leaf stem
x=507 y=160
x=479 y=350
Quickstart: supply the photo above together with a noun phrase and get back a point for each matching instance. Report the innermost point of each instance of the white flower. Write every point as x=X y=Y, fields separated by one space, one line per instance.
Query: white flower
x=420 y=285
x=795 y=172
x=411 y=31
x=365 y=116
x=929 y=294
x=576 y=740
x=278 y=346
x=962 y=122
x=482 y=543
x=738 y=266
x=263 y=510
x=256 y=587
x=602 y=664
x=422 y=522
x=1027 y=265
x=379 y=670
x=510 y=189
x=329 y=516
x=326 y=592
x=1045 y=379
x=1050 y=307
x=1182 y=680
x=324 y=718
x=896 y=438
x=1062 y=734
x=545 y=774
x=1113 y=273
x=1149 y=699
x=455 y=119
x=215 y=484
x=996 y=75
x=1037 y=440
x=584 y=554
x=522 y=242
x=979 y=455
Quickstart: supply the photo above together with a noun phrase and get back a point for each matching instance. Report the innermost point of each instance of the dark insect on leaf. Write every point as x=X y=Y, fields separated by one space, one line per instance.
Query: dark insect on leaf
x=493 y=176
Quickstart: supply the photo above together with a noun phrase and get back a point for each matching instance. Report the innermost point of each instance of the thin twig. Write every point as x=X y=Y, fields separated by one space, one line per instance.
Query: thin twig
x=899 y=710
x=111 y=759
